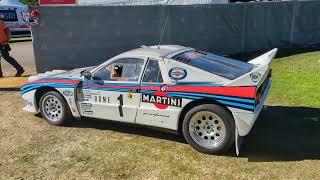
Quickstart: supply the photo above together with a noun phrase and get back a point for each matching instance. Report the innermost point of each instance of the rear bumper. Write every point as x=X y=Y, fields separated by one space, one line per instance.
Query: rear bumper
x=245 y=119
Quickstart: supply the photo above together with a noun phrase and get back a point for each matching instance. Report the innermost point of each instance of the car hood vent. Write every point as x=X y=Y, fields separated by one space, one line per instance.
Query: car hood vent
x=178 y=58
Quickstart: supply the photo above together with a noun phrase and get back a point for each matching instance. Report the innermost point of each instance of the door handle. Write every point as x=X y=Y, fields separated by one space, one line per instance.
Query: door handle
x=163 y=88
x=135 y=90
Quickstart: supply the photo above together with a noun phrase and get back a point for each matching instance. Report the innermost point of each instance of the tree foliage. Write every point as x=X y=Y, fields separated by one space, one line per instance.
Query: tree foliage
x=29 y=2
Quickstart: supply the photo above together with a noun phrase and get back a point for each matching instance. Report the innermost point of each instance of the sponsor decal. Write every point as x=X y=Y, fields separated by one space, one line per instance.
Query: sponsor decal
x=161 y=100
x=177 y=73
x=102 y=99
x=130 y=96
x=88 y=112
x=67 y=93
x=29 y=103
x=255 y=77
x=156 y=115
x=86 y=107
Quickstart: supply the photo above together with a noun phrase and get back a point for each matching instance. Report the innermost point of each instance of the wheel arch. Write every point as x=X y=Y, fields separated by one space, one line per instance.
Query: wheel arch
x=193 y=104
x=40 y=92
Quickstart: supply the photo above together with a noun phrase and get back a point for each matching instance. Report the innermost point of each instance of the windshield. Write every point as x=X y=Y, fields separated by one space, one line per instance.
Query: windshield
x=222 y=66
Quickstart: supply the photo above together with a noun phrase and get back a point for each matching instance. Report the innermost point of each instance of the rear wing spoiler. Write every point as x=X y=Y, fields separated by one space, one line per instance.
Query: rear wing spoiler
x=259 y=72
x=264 y=59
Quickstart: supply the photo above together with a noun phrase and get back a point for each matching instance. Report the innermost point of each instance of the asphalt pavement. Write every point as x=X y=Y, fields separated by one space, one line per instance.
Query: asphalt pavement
x=22 y=52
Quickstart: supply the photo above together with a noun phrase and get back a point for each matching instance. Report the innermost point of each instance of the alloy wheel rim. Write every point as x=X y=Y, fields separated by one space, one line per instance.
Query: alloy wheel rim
x=52 y=108
x=207 y=129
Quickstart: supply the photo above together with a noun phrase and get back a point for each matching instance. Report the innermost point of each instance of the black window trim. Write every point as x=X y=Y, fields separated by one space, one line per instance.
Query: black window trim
x=144 y=71
x=186 y=61
x=111 y=62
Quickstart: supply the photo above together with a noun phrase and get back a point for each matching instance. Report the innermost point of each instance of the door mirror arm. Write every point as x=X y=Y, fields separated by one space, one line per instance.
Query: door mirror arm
x=87 y=75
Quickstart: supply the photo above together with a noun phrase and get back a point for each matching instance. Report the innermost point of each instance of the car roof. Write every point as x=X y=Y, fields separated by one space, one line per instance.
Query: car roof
x=156 y=51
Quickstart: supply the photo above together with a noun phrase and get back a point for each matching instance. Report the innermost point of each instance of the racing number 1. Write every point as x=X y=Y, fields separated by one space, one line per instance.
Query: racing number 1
x=120 y=98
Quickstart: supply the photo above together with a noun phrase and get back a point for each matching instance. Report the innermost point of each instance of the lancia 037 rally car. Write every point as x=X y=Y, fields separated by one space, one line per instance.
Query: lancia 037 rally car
x=212 y=100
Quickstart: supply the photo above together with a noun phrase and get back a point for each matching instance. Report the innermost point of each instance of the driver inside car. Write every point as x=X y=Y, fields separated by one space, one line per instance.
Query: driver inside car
x=117 y=73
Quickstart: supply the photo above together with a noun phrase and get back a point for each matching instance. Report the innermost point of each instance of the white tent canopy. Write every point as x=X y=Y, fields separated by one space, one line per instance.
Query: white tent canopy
x=149 y=2
x=11 y=3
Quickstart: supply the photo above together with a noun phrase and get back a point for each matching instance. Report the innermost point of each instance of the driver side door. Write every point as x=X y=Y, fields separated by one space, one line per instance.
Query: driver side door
x=113 y=92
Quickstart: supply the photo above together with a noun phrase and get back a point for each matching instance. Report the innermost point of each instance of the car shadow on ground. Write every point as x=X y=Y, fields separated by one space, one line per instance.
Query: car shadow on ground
x=280 y=134
x=127 y=128
x=284 y=134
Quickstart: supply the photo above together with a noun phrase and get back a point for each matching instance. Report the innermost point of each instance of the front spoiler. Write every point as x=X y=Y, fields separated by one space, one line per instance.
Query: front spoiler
x=30 y=109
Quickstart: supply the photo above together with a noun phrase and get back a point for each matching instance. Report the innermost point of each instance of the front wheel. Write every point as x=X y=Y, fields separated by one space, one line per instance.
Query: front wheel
x=209 y=128
x=54 y=108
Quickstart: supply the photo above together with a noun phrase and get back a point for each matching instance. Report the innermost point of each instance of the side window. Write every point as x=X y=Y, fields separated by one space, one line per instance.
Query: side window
x=152 y=73
x=127 y=69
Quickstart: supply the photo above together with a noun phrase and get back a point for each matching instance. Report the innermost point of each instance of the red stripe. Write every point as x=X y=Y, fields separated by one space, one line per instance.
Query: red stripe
x=247 y=92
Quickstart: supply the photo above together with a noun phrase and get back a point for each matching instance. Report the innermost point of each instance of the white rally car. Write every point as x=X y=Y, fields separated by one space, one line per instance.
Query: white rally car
x=211 y=100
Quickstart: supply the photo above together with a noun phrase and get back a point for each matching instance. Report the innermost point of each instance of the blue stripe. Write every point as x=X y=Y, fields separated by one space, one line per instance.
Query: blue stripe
x=147 y=91
x=215 y=97
x=188 y=97
x=51 y=85
x=152 y=84
x=25 y=90
x=45 y=84
x=251 y=107
x=234 y=104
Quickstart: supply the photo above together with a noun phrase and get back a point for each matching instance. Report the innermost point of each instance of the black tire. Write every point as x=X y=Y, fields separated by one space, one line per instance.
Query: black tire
x=65 y=113
x=222 y=146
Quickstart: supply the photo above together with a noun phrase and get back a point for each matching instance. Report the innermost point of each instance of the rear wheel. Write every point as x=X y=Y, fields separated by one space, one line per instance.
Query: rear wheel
x=209 y=128
x=54 y=108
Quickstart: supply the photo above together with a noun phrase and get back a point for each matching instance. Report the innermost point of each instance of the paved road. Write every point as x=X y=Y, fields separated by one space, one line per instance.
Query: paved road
x=22 y=52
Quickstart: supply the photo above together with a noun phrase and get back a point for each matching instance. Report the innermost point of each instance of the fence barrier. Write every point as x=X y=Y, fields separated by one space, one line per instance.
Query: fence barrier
x=77 y=36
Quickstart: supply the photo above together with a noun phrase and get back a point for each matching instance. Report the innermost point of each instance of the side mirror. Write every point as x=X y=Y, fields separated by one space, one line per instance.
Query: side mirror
x=87 y=75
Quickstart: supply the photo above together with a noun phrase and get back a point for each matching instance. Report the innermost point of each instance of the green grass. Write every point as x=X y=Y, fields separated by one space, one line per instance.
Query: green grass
x=284 y=143
x=296 y=80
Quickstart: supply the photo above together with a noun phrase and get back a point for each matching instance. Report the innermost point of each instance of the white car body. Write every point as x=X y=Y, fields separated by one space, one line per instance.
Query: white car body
x=158 y=104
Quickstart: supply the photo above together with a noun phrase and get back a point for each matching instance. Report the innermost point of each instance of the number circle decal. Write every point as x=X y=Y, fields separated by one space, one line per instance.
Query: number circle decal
x=177 y=73
x=255 y=77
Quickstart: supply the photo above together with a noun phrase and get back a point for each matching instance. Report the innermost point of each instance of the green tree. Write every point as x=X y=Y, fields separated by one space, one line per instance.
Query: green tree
x=29 y=2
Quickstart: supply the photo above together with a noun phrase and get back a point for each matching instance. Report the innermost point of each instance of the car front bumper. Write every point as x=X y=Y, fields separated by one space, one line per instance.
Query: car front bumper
x=30 y=102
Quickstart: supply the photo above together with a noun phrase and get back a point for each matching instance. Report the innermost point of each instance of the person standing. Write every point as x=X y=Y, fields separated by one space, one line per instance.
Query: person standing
x=5 y=36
